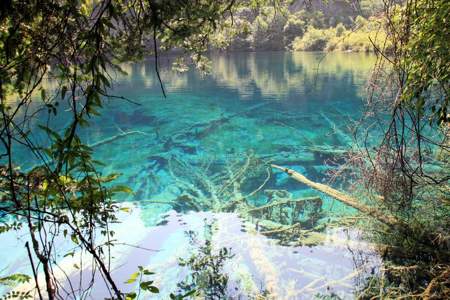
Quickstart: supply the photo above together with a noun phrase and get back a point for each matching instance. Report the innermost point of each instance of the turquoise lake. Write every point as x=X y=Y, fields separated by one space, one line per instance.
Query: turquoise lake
x=210 y=142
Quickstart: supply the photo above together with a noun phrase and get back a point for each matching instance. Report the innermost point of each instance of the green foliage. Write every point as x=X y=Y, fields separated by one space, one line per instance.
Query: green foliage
x=183 y=296
x=276 y=28
x=360 y=22
x=206 y=276
x=340 y=29
x=313 y=40
x=17 y=295
x=409 y=92
x=294 y=27
x=7 y=226
x=143 y=285
x=371 y=7
x=14 y=279
x=266 y=29
x=139 y=278
x=426 y=58
x=367 y=36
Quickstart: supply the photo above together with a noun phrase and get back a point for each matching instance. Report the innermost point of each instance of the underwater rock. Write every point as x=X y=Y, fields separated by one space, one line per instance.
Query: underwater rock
x=140 y=118
x=136 y=118
x=189 y=148
x=200 y=130
x=286 y=148
x=313 y=174
x=156 y=163
x=276 y=194
x=120 y=117
x=322 y=169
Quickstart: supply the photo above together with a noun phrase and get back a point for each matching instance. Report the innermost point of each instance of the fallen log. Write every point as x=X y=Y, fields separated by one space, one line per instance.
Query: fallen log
x=99 y=143
x=344 y=198
x=430 y=241
x=202 y=129
x=283 y=202
x=116 y=137
x=336 y=130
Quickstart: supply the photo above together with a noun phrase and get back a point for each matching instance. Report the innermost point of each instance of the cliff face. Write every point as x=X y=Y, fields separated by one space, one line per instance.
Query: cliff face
x=330 y=8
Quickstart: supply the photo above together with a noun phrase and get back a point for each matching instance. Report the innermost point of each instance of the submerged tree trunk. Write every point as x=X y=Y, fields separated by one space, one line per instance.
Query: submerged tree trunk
x=429 y=241
x=344 y=198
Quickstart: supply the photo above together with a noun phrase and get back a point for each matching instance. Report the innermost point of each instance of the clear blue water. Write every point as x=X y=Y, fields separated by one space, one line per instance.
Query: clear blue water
x=291 y=109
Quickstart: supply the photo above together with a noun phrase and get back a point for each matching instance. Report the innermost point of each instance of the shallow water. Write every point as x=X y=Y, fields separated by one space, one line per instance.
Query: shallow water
x=292 y=109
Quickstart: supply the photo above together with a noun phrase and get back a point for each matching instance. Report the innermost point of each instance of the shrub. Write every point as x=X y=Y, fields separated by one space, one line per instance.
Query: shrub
x=294 y=27
x=340 y=29
x=313 y=40
x=266 y=30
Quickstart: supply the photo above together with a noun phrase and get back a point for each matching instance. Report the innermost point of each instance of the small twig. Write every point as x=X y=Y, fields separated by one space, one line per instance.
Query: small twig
x=30 y=257
x=155 y=48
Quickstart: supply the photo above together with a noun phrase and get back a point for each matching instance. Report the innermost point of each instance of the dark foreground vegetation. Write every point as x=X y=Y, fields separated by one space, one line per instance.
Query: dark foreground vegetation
x=402 y=184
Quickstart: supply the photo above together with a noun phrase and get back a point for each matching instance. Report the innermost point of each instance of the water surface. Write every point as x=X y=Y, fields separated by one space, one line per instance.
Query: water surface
x=211 y=142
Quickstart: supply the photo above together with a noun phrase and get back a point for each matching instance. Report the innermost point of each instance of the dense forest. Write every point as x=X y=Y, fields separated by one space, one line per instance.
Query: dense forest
x=309 y=26
x=350 y=161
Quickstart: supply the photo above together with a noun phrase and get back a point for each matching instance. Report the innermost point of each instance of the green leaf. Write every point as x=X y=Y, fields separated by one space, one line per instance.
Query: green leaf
x=153 y=289
x=15 y=278
x=43 y=94
x=190 y=293
x=146 y=285
x=125 y=209
x=69 y=254
x=74 y=239
x=121 y=189
x=132 y=278
x=111 y=177
x=63 y=91
x=50 y=132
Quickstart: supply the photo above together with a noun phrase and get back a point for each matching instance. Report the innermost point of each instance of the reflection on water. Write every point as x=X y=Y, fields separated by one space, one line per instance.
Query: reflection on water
x=276 y=75
x=204 y=153
x=255 y=265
